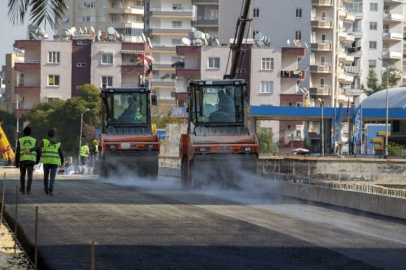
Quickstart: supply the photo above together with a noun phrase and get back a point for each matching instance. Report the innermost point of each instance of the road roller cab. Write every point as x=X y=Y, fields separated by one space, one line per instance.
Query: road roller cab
x=218 y=145
x=128 y=142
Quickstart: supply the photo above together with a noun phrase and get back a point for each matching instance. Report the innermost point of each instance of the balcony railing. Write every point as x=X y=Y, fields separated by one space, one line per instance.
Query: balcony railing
x=27 y=61
x=320 y=64
x=159 y=27
x=207 y=18
x=172 y=10
x=121 y=6
x=164 y=80
x=295 y=74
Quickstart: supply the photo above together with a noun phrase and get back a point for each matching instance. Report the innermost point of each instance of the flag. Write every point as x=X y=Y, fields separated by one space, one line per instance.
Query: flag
x=357 y=125
x=348 y=108
x=339 y=124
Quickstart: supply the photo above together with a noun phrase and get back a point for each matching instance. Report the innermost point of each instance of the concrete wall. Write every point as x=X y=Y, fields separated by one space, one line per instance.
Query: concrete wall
x=98 y=69
x=173 y=133
x=338 y=169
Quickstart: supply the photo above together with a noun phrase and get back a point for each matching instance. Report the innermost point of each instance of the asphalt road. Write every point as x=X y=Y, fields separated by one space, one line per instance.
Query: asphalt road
x=156 y=225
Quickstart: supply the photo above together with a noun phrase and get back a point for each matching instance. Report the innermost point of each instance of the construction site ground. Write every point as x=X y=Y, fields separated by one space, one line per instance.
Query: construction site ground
x=140 y=224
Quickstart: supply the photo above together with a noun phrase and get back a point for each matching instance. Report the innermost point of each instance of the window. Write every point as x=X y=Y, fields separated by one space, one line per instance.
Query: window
x=87 y=4
x=177 y=24
x=86 y=19
x=322 y=83
x=385 y=28
x=102 y=19
x=386 y=9
x=66 y=4
x=256 y=13
x=102 y=4
x=133 y=19
x=298 y=35
x=373 y=6
x=372 y=45
x=54 y=57
x=266 y=87
x=107 y=81
x=298 y=13
x=267 y=64
x=214 y=63
x=107 y=59
x=176 y=41
x=65 y=19
x=177 y=6
x=373 y=26
x=53 y=80
x=372 y=63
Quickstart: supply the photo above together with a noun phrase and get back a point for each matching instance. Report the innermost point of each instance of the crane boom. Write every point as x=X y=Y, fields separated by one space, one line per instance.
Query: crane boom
x=237 y=46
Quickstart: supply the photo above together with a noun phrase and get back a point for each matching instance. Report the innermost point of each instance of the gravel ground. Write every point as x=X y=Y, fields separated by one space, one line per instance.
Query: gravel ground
x=9 y=260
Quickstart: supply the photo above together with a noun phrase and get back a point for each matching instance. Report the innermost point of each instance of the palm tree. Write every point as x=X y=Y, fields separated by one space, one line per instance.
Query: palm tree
x=41 y=11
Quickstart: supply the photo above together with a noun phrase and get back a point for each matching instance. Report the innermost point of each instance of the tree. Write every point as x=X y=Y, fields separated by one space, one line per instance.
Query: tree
x=41 y=11
x=9 y=125
x=265 y=138
x=162 y=120
x=396 y=150
x=64 y=117
x=372 y=82
x=394 y=77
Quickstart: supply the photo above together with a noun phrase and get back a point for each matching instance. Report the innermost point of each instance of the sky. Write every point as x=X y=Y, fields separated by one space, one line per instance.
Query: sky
x=9 y=33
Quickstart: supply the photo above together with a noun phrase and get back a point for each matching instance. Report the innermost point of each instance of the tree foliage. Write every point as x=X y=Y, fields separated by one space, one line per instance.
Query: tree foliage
x=64 y=117
x=265 y=138
x=9 y=125
x=162 y=120
x=41 y=11
x=396 y=150
x=372 y=82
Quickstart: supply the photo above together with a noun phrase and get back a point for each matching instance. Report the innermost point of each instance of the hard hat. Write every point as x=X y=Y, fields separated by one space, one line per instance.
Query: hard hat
x=95 y=141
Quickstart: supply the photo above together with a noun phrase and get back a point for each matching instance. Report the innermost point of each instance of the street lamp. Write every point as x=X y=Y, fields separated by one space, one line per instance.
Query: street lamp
x=322 y=126
x=387 y=107
x=80 y=135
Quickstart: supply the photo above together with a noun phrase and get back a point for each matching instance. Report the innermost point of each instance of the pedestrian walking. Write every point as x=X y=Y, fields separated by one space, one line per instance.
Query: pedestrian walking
x=95 y=152
x=51 y=157
x=84 y=154
x=26 y=159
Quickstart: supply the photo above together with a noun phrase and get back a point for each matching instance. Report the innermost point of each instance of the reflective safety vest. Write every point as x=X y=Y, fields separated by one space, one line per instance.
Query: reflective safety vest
x=96 y=148
x=84 y=151
x=27 y=142
x=50 y=153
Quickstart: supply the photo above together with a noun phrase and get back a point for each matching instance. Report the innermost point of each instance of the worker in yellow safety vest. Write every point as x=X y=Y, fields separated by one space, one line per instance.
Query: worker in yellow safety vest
x=84 y=154
x=95 y=152
x=26 y=160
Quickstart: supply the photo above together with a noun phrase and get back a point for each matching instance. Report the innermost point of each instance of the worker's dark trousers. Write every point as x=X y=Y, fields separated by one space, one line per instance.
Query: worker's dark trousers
x=49 y=172
x=26 y=168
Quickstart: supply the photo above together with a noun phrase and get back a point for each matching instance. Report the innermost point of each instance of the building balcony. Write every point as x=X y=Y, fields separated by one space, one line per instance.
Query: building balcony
x=299 y=52
x=392 y=55
x=320 y=67
x=22 y=89
x=295 y=74
x=345 y=78
x=188 y=72
x=167 y=29
x=177 y=13
x=345 y=37
x=182 y=50
x=320 y=90
x=162 y=65
x=205 y=2
x=322 y=3
x=125 y=9
x=321 y=45
x=206 y=22
x=348 y=1
x=164 y=82
x=321 y=22
x=355 y=31
x=387 y=35
x=354 y=70
x=133 y=68
x=28 y=65
x=394 y=1
x=353 y=91
x=24 y=44
x=345 y=16
x=164 y=47
x=390 y=17
x=128 y=24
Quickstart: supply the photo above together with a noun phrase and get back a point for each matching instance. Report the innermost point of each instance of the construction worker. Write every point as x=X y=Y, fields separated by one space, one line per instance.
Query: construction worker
x=25 y=159
x=95 y=151
x=84 y=154
x=51 y=157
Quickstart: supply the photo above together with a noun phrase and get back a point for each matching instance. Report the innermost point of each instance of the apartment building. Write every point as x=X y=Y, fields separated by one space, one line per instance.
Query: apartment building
x=124 y=15
x=273 y=76
x=379 y=32
x=167 y=22
x=207 y=16
x=47 y=70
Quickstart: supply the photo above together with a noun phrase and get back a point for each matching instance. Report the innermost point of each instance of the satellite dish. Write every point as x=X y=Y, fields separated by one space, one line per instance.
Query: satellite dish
x=80 y=31
x=149 y=43
x=86 y=30
x=307 y=46
x=186 y=41
x=199 y=35
x=216 y=42
x=46 y=36
x=143 y=38
x=111 y=31
x=92 y=33
x=121 y=38
x=103 y=35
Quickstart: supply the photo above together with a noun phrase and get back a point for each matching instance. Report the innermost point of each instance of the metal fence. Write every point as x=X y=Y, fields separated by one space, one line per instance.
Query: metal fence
x=364 y=188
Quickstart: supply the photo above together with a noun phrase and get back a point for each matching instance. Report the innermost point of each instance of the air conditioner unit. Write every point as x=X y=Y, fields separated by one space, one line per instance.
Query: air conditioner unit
x=82 y=42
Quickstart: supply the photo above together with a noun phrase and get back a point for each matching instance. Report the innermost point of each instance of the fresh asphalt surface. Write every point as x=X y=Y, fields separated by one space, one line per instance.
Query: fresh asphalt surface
x=156 y=225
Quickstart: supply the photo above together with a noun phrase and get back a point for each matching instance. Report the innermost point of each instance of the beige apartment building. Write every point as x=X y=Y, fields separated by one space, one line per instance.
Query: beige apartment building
x=126 y=16
x=207 y=16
